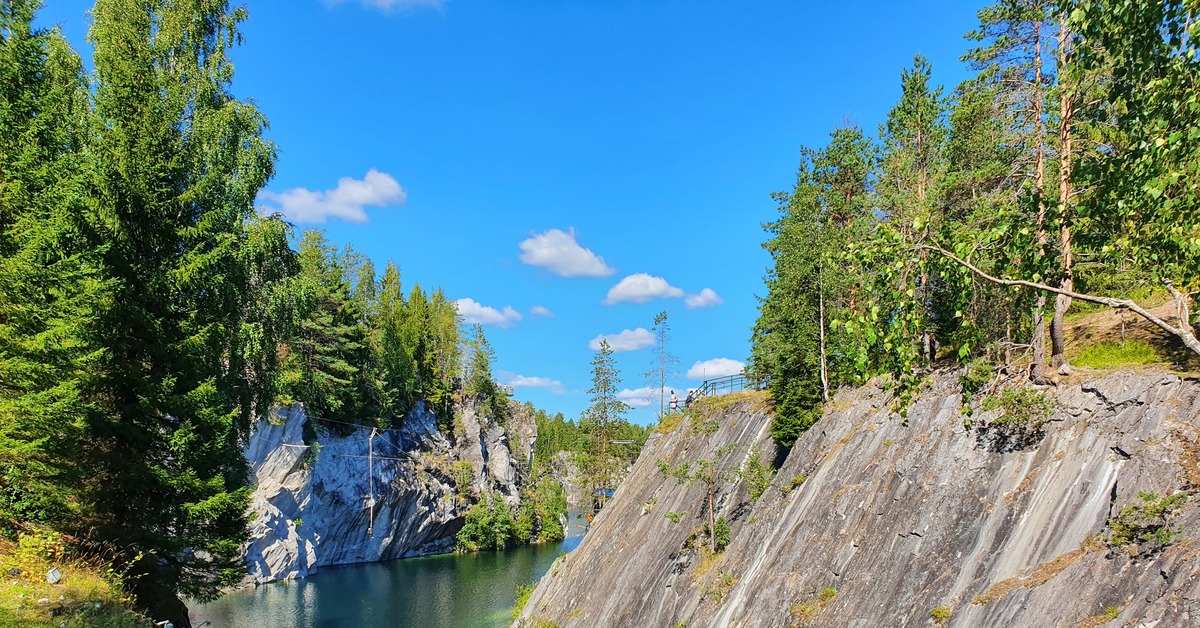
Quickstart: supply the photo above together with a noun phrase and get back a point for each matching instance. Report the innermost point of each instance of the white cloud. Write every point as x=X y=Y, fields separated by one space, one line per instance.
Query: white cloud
x=640 y=288
x=716 y=367
x=539 y=310
x=558 y=252
x=705 y=298
x=638 y=397
x=347 y=201
x=627 y=340
x=474 y=312
x=520 y=381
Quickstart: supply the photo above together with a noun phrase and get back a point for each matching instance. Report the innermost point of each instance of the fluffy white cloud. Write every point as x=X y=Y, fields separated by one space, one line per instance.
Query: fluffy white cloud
x=474 y=312
x=627 y=340
x=716 y=367
x=640 y=288
x=705 y=298
x=347 y=201
x=539 y=310
x=638 y=397
x=557 y=251
x=520 y=381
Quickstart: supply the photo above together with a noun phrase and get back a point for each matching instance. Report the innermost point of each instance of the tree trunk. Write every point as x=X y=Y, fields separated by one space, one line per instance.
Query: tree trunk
x=1037 y=371
x=1183 y=331
x=1066 y=111
x=712 y=519
x=824 y=357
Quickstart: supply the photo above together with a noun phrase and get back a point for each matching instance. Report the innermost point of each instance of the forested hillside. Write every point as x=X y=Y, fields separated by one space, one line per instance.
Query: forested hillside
x=149 y=315
x=974 y=222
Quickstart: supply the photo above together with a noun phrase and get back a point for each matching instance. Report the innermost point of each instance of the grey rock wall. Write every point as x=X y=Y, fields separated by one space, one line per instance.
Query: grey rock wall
x=310 y=507
x=902 y=517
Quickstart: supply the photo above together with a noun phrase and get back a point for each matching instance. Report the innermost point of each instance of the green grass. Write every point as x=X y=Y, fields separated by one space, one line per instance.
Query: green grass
x=668 y=422
x=88 y=595
x=1110 y=354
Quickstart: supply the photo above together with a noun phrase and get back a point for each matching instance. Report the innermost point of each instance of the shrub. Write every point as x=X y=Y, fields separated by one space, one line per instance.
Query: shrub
x=719 y=588
x=463 y=475
x=489 y=525
x=758 y=475
x=940 y=614
x=675 y=516
x=977 y=375
x=808 y=611
x=1024 y=407
x=794 y=483
x=720 y=534
x=1146 y=522
x=787 y=427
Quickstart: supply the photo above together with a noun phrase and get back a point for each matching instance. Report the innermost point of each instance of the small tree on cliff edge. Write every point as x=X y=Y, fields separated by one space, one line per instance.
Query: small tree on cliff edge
x=666 y=365
x=605 y=414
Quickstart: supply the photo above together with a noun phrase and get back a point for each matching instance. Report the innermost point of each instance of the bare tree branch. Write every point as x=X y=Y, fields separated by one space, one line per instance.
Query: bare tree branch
x=1183 y=331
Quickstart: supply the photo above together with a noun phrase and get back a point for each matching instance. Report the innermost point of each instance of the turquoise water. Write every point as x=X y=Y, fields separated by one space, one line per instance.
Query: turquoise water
x=452 y=590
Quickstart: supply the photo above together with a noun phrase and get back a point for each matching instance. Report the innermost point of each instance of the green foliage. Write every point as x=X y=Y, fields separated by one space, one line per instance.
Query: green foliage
x=940 y=614
x=1109 y=354
x=362 y=353
x=1024 y=407
x=718 y=589
x=786 y=429
x=720 y=534
x=1143 y=214
x=543 y=507
x=808 y=286
x=90 y=593
x=604 y=419
x=808 y=611
x=490 y=525
x=668 y=422
x=794 y=483
x=757 y=474
x=675 y=516
x=977 y=375
x=1146 y=523
x=463 y=475
x=523 y=593
x=479 y=380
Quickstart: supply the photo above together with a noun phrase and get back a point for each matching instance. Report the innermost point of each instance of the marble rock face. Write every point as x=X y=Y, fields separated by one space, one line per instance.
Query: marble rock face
x=905 y=516
x=311 y=506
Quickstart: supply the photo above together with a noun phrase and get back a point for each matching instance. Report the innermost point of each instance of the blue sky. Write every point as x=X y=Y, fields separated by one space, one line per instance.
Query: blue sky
x=571 y=167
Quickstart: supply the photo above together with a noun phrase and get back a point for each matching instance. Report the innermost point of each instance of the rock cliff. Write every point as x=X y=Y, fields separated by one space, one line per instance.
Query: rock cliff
x=310 y=505
x=877 y=520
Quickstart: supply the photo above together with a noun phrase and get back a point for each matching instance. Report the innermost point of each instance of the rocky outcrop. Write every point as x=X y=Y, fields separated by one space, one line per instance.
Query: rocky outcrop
x=311 y=505
x=878 y=520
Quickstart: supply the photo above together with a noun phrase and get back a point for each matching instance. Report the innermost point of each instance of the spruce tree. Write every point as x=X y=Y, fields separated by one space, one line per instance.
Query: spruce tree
x=178 y=163
x=604 y=418
x=51 y=281
x=398 y=370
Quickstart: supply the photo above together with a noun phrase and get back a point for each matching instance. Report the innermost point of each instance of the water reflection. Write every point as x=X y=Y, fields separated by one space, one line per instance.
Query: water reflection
x=469 y=590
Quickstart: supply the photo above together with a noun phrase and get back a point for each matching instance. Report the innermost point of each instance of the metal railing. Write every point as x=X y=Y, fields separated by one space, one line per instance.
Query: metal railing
x=726 y=385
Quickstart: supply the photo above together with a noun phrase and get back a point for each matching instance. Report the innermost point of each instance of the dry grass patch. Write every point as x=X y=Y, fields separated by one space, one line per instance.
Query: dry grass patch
x=1043 y=574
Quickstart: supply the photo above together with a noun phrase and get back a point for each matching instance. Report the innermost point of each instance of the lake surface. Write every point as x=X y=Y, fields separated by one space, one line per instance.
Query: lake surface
x=451 y=590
